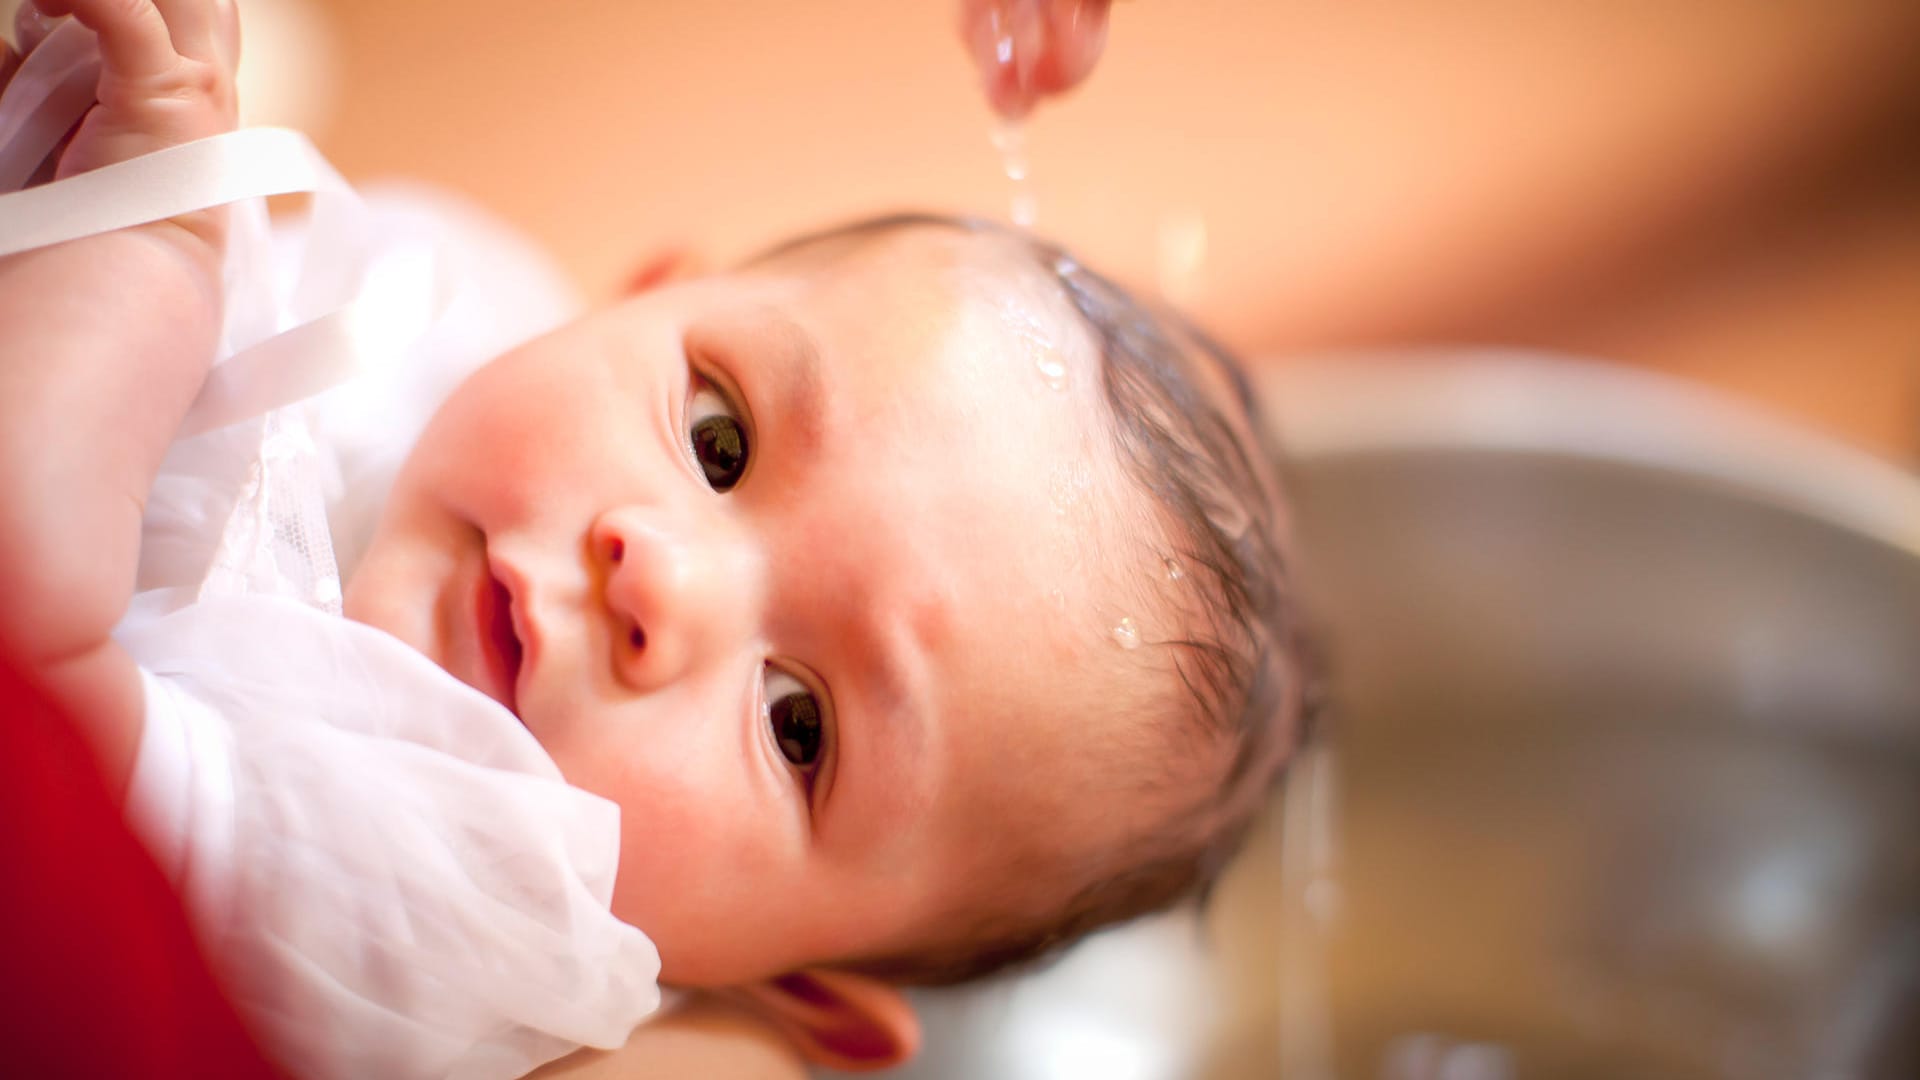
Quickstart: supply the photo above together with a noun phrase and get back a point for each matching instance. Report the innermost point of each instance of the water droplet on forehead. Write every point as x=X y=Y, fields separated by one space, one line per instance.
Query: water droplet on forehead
x=1126 y=633
x=1174 y=570
x=1053 y=370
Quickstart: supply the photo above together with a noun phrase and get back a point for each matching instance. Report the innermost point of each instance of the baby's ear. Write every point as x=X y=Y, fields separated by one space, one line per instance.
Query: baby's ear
x=837 y=1019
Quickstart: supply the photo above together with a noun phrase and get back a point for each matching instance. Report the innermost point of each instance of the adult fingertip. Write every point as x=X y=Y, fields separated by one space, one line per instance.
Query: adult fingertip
x=1077 y=39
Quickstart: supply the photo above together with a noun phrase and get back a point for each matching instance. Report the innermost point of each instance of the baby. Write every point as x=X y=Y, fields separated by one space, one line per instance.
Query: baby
x=916 y=594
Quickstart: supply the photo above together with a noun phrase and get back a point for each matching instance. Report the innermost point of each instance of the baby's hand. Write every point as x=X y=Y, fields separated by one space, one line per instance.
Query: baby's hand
x=104 y=341
x=166 y=78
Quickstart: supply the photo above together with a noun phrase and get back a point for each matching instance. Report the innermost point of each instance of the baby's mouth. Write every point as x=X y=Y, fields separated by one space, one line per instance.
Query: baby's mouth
x=500 y=644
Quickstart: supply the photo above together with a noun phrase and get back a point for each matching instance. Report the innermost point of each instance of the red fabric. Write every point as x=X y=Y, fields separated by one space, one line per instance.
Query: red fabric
x=99 y=975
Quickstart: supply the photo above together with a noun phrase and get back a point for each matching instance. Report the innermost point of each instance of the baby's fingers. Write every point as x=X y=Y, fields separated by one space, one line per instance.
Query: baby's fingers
x=134 y=41
x=166 y=77
x=144 y=38
x=203 y=29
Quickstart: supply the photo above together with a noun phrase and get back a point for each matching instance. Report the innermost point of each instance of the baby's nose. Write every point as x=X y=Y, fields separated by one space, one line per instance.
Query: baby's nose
x=679 y=591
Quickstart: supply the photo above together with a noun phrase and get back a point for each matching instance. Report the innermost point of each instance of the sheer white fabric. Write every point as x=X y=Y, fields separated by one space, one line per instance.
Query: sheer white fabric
x=389 y=870
x=385 y=868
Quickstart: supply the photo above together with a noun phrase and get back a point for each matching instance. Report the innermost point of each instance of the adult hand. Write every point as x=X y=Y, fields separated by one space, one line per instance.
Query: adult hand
x=1029 y=49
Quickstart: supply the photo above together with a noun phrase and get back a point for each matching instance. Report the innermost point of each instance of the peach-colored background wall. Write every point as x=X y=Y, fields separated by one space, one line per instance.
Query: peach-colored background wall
x=1727 y=188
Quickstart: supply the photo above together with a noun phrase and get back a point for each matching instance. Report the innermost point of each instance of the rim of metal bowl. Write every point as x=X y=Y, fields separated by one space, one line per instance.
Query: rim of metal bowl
x=1514 y=401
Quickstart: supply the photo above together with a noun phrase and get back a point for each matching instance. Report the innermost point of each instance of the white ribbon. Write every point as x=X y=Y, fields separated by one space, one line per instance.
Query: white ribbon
x=329 y=318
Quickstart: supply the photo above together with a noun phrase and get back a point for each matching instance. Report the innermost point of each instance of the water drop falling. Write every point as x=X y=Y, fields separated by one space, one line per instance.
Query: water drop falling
x=1010 y=139
x=1025 y=209
x=1127 y=634
x=1053 y=370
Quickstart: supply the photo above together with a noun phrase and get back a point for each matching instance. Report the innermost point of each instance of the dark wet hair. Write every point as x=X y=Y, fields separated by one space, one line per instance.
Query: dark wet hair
x=1245 y=662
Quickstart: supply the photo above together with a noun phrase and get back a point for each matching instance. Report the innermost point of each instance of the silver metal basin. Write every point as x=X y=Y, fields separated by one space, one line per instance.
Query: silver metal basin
x=1623 y=780
x=1629 y=757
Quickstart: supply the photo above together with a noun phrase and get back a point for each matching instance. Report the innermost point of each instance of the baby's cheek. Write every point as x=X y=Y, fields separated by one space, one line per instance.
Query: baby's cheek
x=688 y=882
x=681 y=828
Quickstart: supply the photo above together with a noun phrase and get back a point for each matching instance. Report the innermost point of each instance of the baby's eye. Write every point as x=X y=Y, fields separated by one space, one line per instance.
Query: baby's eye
x=719 y=439
x=794 y=713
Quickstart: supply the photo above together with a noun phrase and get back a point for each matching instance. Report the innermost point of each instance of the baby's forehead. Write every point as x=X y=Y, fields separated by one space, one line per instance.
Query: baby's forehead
x=974 y=375
x=964 y=266
x=1019 y=401
x=978 y=307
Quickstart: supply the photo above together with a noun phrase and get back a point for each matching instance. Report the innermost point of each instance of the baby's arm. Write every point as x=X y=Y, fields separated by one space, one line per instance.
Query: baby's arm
x=104 y=342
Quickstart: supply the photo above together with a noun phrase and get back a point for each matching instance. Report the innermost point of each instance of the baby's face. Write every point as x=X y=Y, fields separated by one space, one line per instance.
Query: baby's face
x=797 y=566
